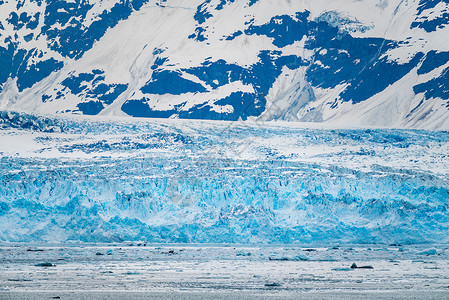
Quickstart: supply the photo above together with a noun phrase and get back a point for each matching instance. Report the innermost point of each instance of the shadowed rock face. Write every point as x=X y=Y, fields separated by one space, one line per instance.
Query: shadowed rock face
x=228 y=60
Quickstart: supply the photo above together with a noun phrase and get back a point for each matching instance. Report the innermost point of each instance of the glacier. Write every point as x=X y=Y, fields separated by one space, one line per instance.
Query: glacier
x=113 y=180
x=226 y=149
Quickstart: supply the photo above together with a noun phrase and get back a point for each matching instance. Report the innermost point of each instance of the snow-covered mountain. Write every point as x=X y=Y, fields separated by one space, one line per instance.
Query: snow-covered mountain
x=357 y=62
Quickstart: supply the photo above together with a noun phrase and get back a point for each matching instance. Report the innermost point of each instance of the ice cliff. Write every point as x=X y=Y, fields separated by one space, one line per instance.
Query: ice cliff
x=219 y=182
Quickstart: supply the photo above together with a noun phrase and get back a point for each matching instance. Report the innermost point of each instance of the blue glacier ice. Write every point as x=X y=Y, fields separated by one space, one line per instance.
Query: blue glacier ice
x=220 y=182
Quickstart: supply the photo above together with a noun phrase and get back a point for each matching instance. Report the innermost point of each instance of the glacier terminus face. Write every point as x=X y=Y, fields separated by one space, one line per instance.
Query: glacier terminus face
x=219 y=182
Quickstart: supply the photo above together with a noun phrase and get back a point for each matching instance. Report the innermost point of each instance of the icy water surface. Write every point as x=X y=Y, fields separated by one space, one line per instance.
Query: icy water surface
x=145 y=271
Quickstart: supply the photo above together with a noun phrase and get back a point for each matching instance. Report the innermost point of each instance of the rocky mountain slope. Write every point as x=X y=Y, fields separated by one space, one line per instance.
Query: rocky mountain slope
x=346 y=62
